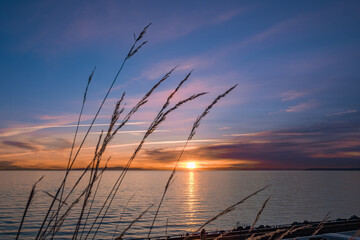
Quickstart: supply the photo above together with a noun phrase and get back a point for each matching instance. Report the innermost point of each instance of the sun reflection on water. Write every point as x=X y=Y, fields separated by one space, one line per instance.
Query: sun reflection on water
x=191 y=199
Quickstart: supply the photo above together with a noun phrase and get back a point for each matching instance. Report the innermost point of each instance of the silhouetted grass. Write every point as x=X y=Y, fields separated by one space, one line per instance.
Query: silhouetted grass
x=134 y=48
x=321 y=224
x=31 y=196
x=134 y=221
x=259 y=213
x=191 y=135
x=230 y=208
x=161 y=116
x=55 y=216
x=117 y=225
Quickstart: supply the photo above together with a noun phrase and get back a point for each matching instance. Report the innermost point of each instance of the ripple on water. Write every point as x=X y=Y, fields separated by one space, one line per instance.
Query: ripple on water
x=192 y=199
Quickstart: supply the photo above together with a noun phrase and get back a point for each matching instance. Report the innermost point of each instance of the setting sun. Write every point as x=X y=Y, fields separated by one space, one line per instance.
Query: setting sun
x=190 y=165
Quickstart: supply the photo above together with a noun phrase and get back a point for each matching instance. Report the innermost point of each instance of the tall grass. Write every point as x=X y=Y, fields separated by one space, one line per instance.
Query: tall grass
x=191 y=135
x=134 y=49
x=259 y=213
x=31 y=196
x=85 y=227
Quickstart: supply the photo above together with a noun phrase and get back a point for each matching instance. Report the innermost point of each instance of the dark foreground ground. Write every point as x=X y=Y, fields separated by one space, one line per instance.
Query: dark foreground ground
x=310 y=230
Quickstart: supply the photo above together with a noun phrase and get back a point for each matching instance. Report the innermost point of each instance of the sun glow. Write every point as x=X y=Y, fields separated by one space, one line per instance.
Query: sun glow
x=191 y=165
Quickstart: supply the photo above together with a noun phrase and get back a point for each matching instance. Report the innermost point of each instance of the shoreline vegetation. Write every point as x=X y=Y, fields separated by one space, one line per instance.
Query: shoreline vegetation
x=311 y=230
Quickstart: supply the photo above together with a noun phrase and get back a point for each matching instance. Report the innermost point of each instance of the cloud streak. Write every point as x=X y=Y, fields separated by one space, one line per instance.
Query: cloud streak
x=291 y=95
x=342 y=113
x=9 y=165
x=228 y=15
x=19 y=144
x=301 y=107
x=333 y=145
x=18 y=131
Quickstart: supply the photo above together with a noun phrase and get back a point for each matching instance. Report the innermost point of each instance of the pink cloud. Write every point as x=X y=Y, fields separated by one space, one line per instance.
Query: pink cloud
x=341 y=113
x=176 y=26
x=7 y=132
x=159 y=69
x=302 y=106
x=228 y=15
x=212 y=57
x=97 y=22
x=254 y=134
x=224 y=128
x=291 y=95
x=271 y=31
x=78 y=27
x=299 y=107
x=164 y=142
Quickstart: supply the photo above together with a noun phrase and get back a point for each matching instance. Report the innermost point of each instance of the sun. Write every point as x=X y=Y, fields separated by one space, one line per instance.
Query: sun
x=190 y=165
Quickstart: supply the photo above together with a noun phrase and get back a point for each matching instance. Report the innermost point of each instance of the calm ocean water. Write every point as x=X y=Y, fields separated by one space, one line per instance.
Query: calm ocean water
x=194 y=198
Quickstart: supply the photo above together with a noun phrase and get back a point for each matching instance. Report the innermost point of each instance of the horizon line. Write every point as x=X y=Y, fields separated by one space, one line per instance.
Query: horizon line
x=192 y=170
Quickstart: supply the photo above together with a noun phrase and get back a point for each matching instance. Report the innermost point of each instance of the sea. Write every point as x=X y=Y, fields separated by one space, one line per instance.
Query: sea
x=194 y=197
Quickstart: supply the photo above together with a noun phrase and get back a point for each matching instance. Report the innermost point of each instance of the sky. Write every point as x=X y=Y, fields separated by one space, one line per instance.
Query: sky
x=296 y=63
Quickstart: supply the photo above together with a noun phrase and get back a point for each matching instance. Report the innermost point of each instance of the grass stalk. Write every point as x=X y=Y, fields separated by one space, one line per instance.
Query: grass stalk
x=321 y=224
x=292 y=230
x=55 y=216
x=93 y=198
x=128 y=56
x=191 y=135
x=259 y=213
x=97 y=158
x=31 y=196
x=66 y=198
x=128 y=116
x=134 y=221
x=118 y=223
x=61 y=220
x=268 y=235
x=74 y=140
x=52 y=196
x=153 y=126
x=110 y=134
x=230 y=208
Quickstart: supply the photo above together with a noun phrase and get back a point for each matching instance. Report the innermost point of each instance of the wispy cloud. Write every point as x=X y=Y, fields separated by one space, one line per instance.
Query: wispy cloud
x=9 y=165
x=22 y=130
x=39 y=144
x=19 y=144
x=272 y=133
x=207 y=59
x=52 y=152
x=163 y=142
x=85 y=25
x=158 y=69
x=299 y=107
x=47 y=117
x=324 y=145
x=291 y=95
x=179 y=25
x=342 y=113
x=269 y=32
x=228 y=15
x=302 y=106
x=224 y=128
x=134 y=132
x=332 y=145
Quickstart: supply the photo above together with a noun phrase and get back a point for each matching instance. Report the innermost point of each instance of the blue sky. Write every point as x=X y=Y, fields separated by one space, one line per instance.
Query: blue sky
x=296 y=63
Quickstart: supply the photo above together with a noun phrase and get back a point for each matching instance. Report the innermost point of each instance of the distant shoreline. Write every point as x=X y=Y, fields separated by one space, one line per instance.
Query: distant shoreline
x=200 y=170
